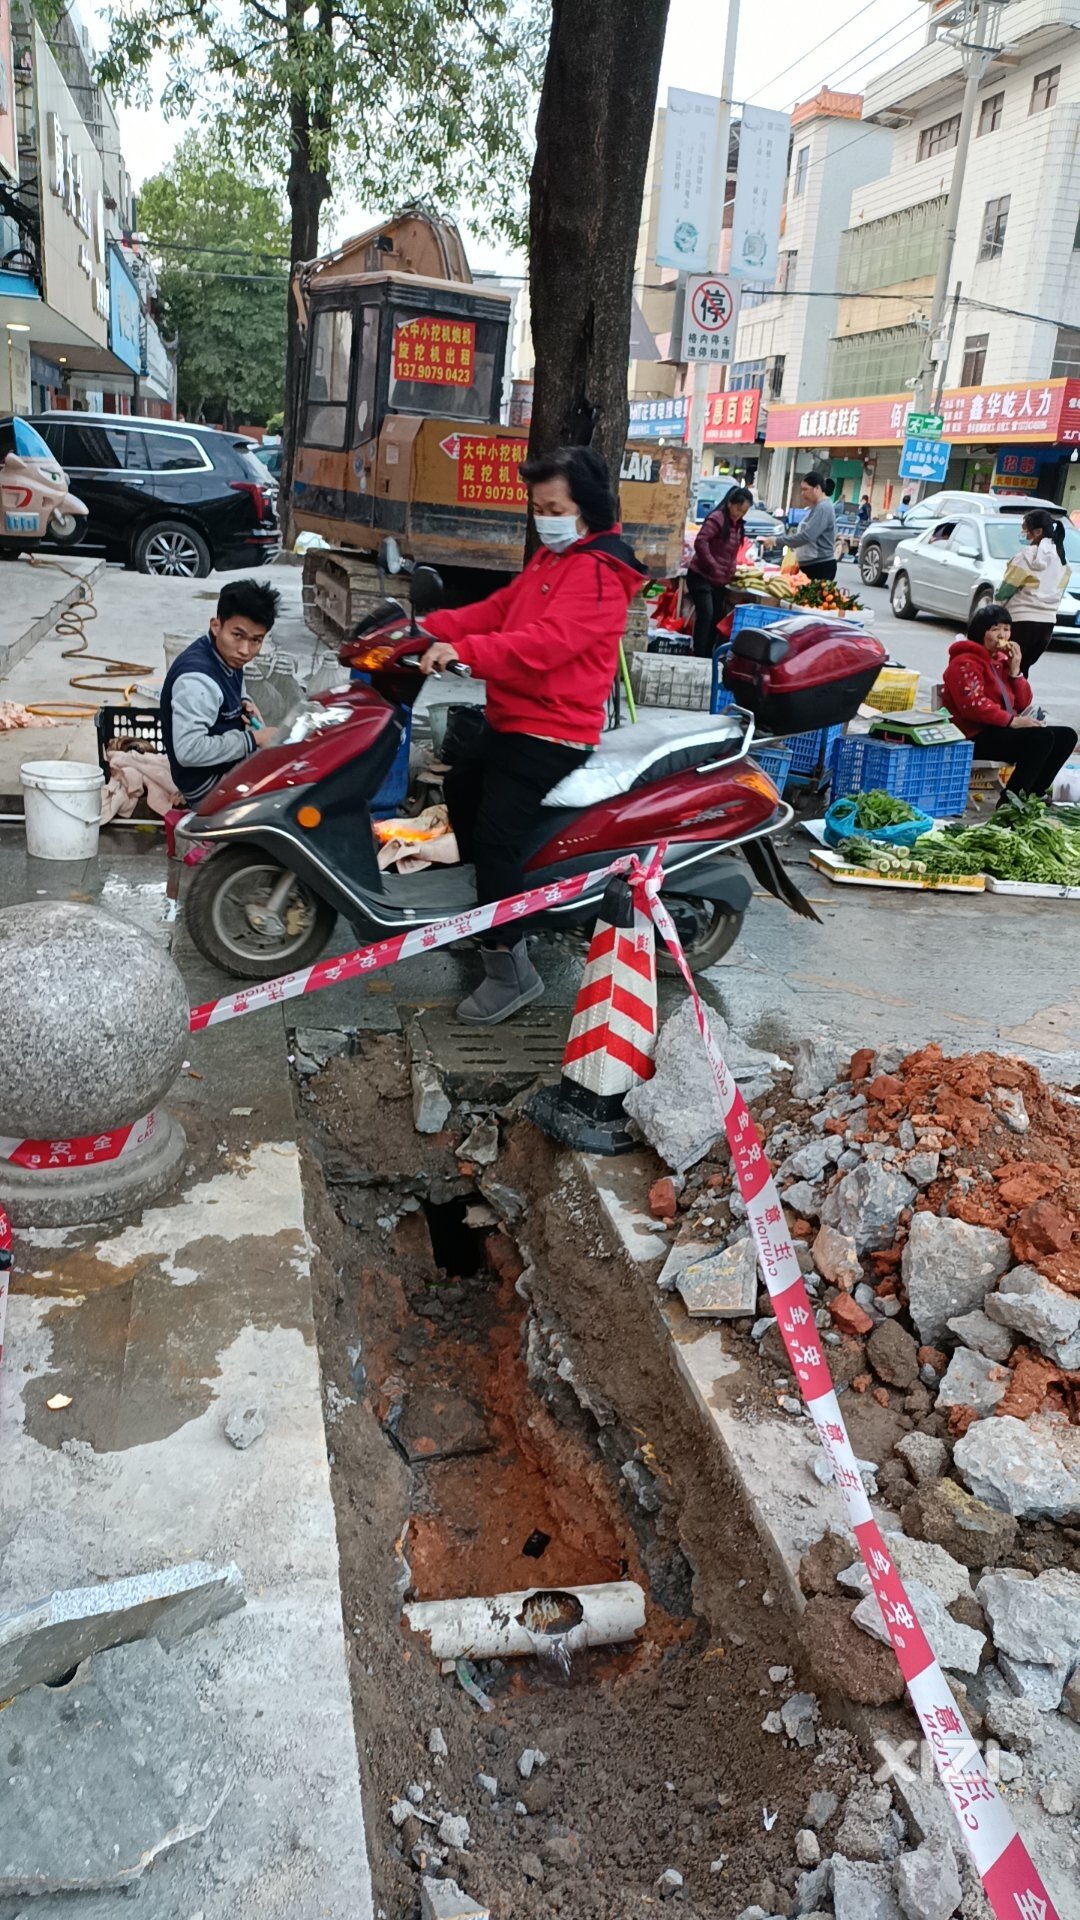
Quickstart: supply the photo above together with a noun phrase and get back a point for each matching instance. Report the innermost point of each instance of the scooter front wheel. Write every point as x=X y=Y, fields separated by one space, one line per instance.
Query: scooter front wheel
x=707 y=930
x=226 y=911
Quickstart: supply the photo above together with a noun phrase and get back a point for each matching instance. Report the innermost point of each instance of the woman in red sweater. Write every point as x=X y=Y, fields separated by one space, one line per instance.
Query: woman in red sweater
x=990 y=700
x=547 y=646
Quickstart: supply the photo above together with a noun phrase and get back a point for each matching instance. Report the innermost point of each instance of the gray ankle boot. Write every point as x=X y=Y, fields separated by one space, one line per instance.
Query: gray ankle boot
x=510 y=982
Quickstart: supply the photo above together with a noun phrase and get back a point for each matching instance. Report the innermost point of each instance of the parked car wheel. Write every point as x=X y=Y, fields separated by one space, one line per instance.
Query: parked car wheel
x=900 y=599
x=871 y=571
x=984 y=598
x=172 y=549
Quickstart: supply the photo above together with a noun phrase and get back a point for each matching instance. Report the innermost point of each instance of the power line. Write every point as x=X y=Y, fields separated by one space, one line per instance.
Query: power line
x=766 y=84
x=223 y=253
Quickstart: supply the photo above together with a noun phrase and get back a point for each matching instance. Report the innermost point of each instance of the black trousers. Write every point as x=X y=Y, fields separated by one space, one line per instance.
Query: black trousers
x=820 y=569
x=1036 y=753
x=709 y=607
x=1032 y=637
x=494 y=793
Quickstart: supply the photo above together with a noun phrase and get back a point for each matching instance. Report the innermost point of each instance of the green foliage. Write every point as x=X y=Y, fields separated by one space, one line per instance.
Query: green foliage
x=222 y=241
x=392 y=101
x=275 y=422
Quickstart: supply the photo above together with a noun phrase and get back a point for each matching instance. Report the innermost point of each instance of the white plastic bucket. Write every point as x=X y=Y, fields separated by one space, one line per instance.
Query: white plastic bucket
x=175 y=645
x=62 y=803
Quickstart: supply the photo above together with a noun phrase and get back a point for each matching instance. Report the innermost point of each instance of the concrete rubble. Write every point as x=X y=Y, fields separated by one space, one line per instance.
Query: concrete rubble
x=45 y=1641
x=722 y=1283
x=947 y=1268
x=1028 y=1468
x=678 y=1110
x=104 y=1775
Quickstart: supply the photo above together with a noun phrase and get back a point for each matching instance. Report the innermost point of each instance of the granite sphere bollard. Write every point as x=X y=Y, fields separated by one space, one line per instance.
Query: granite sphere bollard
x=94 y=1016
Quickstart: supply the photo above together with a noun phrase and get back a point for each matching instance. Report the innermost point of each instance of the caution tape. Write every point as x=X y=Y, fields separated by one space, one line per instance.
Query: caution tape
x=1010 y=1880
x=53 y=1156
x=360 y=961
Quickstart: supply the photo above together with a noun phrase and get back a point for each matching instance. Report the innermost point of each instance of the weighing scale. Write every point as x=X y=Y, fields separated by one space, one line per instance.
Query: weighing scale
x=936 y=729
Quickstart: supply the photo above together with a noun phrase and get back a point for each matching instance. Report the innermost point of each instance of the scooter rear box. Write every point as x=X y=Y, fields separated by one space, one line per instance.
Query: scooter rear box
x=803 y=672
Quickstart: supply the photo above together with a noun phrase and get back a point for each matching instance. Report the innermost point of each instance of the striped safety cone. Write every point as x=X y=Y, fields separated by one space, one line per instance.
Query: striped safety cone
x=613 y=1034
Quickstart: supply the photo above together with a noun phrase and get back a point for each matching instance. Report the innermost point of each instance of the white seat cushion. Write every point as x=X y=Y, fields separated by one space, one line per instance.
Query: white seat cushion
x=628 y=752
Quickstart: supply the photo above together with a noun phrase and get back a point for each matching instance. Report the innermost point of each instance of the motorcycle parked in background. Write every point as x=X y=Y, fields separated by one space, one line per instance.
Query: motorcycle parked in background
x=35 y=501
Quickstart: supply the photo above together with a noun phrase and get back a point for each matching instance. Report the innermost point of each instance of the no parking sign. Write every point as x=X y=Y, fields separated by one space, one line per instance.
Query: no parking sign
x=712 y=312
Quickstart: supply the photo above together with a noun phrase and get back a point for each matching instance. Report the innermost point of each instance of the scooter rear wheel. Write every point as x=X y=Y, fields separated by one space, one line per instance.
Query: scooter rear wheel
x=707 y=931
x=215 y=910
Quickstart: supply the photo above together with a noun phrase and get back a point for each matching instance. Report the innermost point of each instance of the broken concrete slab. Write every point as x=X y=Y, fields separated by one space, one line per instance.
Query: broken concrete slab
x=104 y=1775
x=723 y=1284
x=928 y=1881
x=45 y=1641
x=924 y=1455
x=444 y=1900
x=836 y=1258
x=1031 y=1305
x=678 y=1110
x=948 y=1268
x=817 y=1064
x=430 y=1100
x=1030 y=1468
x=867 y=1206
x=975 y=1533
x=972 y=1380
x=958 y=1648
x=863 y=1890
x=1042 y=1687
x=983 y=1335
x=1036 y=1620
x=926 y=1561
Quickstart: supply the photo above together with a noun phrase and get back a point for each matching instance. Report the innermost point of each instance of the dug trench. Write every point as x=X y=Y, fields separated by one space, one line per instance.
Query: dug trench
x=503 y=1415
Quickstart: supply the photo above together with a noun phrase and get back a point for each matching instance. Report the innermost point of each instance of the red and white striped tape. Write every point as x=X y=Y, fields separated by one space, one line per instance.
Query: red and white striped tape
x=613 y=1032
x=402 y=946
x=52 y=1156
x=1010 y=1880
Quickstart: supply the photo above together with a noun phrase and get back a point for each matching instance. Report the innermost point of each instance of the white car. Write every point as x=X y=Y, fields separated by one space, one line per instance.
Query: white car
x=957 y=565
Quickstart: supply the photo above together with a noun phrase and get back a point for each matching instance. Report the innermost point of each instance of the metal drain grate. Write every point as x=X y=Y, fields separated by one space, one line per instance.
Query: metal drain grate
x=494 y=1063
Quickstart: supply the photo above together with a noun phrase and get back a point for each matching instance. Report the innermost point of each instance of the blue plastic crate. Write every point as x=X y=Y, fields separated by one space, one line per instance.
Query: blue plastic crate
x=776 y=762
x=750 y=615
x=933 y=778
x=811 y=751
x=719 y=698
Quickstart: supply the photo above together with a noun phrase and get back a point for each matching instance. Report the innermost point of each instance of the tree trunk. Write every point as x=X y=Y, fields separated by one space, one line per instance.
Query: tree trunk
x=308 y=190
x=593 y=133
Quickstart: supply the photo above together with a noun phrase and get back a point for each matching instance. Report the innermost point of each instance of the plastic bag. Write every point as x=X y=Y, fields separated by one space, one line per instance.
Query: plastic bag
x=840 y=825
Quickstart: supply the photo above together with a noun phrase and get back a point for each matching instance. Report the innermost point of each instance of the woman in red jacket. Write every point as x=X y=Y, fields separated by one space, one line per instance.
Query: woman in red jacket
x=990 y=701
x=716 y=553
x=547 y=646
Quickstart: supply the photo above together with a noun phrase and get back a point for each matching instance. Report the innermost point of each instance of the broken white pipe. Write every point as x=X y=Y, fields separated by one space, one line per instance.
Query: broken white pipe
x=498 y=1627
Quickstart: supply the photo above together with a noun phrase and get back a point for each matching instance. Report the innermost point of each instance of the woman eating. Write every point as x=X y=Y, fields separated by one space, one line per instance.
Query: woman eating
x=990 y=700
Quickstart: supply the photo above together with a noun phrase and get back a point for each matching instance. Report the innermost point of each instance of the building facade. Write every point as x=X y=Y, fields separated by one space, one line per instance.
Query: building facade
x=77 y=326
x=1013 y=346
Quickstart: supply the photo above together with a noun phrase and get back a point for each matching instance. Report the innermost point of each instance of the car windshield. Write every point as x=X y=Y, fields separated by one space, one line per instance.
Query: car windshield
x=1005 y=537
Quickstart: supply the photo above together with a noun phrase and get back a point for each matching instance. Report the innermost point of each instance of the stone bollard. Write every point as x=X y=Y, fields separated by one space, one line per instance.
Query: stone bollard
x=94 y=1019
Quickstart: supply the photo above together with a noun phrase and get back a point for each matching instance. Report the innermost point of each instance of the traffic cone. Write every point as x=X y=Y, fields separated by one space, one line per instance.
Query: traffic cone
x=613 y=1034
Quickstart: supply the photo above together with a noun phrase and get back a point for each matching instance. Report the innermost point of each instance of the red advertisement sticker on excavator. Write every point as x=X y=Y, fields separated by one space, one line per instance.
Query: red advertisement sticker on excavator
x=487 y=474
x=438 y=353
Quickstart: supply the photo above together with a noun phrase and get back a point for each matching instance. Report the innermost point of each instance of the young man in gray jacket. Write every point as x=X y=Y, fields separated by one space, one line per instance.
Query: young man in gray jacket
x=815 y=537
x=205 y=716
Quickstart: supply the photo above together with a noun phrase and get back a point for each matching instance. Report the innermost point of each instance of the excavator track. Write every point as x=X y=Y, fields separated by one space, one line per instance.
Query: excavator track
x=339 y=589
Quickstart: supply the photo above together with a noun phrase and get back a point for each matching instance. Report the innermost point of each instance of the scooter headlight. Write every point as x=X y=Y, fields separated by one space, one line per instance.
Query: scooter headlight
x=313 y=720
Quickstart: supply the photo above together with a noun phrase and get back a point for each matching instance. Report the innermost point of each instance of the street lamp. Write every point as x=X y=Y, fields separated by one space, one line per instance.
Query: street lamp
x=13 y=326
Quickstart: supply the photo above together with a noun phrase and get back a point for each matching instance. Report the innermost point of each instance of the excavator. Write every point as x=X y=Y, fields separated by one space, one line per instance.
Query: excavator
x=399 y=430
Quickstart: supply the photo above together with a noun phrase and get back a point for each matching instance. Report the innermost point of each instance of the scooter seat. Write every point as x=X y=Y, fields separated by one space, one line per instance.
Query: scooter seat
x=653 y=748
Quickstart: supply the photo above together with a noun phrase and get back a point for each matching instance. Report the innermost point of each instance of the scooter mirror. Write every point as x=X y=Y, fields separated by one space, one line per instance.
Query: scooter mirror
x=427 y=590
x=389 y=555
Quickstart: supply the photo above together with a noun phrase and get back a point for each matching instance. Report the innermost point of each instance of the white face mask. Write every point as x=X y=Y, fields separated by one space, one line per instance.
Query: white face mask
x=557 y=530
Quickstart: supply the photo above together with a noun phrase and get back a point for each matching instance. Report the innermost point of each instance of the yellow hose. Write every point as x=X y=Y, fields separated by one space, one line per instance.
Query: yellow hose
x=72 y=624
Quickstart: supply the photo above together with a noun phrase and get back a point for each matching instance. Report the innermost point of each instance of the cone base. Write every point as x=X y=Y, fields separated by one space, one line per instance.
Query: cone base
x=586 y=1122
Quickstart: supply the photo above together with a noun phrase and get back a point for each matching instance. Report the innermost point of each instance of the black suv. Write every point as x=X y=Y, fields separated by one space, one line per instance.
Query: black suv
x=163 y=496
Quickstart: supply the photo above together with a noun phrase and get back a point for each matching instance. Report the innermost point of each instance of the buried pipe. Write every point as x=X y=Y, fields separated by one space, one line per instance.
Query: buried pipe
x=552 y=1622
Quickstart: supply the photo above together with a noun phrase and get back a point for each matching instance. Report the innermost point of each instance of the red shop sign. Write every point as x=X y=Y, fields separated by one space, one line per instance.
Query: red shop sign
x=732 y=416
x=1025 y=410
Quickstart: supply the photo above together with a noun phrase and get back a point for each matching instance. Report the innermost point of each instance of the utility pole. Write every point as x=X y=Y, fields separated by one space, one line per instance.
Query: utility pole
x=699 y=405
x=975 y=56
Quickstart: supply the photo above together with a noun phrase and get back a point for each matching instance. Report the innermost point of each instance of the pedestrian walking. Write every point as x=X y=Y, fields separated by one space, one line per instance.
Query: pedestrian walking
x=865 y=513
x=990 y=700
x=712 y=565
x=1043 y=574
x=815 y=538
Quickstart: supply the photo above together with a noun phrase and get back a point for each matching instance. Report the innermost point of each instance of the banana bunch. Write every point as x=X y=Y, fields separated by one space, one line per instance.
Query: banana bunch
x=749 y=580
x=778 y=586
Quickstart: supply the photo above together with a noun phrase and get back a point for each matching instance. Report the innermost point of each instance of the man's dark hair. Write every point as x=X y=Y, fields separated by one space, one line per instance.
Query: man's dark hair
x=587 y=478
x=814 y=479
x=990 y=615
x=254 y=600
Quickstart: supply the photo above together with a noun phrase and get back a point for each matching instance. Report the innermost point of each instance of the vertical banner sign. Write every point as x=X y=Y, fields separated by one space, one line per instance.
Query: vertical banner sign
x=710 y=318
x=759 y=193
x=687 y=180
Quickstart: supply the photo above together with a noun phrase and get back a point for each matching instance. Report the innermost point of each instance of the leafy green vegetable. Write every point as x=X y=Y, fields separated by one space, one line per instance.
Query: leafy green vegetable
x=877 y=809
x=1023 y=841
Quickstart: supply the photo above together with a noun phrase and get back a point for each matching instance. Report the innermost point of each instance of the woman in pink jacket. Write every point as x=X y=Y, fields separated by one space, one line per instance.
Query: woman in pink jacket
x=716 y=552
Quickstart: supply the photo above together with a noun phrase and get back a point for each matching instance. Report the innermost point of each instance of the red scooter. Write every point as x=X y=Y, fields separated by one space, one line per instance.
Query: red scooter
x=291 y=826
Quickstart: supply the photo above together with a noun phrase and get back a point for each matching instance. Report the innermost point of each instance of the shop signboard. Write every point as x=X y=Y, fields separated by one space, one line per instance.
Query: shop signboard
x=711 y=315
x=71 y=204
x=1030 y=411
x=924 y=459
x=688 y=180
x=125 y=314
x=733 y=417
x=659 y=419
x=1016 y=470
x=760 y=185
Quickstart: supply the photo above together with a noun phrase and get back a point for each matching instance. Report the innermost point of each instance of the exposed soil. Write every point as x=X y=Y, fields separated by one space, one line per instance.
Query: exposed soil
x=468 y=1422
